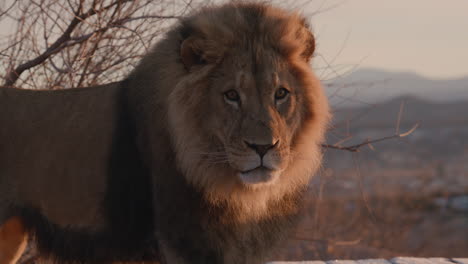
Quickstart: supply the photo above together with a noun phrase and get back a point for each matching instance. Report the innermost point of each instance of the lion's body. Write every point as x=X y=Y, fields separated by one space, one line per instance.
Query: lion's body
x=219 y=219
x=223 y=122
x=43 y=129
x=58 y=151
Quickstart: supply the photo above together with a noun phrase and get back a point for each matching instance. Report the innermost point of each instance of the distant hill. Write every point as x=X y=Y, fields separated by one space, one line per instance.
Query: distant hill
x=416 y=110
x=374 y=86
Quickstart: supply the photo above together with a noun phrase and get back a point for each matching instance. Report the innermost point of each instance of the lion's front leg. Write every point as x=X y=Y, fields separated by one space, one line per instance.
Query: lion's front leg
x=13 y=240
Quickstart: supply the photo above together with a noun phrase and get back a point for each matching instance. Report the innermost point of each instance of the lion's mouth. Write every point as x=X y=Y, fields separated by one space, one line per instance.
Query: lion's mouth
x=258 y=175
x=256 y=168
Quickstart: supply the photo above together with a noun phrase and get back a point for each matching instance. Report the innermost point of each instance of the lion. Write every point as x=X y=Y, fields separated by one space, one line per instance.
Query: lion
x=201 y=155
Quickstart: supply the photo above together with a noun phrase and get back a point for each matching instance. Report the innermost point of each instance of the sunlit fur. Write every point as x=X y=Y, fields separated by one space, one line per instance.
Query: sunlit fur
x=208 y=134
x=179 y=95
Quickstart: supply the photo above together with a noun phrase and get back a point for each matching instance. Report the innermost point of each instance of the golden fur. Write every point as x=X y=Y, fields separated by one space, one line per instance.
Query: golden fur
x=237 y=55
x=13 y=239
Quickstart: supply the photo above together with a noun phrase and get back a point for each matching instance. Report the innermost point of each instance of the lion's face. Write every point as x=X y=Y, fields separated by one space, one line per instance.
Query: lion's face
x=248 y=113
x=254 y=115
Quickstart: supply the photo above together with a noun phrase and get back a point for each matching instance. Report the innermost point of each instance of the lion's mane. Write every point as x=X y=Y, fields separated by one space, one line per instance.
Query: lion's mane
x=217 y=219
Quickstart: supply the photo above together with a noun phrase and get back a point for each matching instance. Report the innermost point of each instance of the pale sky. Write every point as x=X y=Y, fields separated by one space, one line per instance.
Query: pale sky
x=429 y=37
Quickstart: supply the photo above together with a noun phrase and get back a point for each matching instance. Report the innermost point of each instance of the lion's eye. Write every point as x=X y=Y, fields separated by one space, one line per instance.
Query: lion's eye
x=232 y=96
x=281 y=93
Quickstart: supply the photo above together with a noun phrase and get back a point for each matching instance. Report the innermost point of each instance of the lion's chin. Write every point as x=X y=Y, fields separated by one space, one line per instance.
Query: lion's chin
x=259 y=176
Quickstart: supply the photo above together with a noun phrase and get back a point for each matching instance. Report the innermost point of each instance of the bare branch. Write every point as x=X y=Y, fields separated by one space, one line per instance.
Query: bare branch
x=14 y=74
x=356 y=148
x=82 y=42
x=3 y=12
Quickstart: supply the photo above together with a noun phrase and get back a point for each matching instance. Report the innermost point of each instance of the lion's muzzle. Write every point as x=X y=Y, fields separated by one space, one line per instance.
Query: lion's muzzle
x=262 y=163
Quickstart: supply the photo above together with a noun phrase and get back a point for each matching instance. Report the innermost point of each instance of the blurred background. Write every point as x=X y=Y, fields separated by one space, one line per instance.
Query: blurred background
x=387 y=66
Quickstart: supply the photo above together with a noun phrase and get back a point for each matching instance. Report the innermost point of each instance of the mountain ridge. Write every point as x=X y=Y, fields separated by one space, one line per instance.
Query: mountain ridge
x=427 y=113
x=372 y=86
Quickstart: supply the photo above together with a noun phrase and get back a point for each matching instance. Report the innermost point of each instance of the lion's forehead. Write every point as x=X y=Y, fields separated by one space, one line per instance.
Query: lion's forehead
x=258 y=83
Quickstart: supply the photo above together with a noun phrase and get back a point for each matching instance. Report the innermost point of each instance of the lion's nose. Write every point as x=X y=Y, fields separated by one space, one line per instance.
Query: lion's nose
x=261 y=149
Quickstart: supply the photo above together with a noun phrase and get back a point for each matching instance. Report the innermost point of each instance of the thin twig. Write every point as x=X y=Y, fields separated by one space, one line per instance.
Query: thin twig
x=14 y=74
x=356 y=148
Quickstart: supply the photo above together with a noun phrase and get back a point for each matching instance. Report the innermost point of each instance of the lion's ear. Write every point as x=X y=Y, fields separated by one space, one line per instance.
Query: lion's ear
x=308 y=42
x=191 y=52
x=196 y=50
